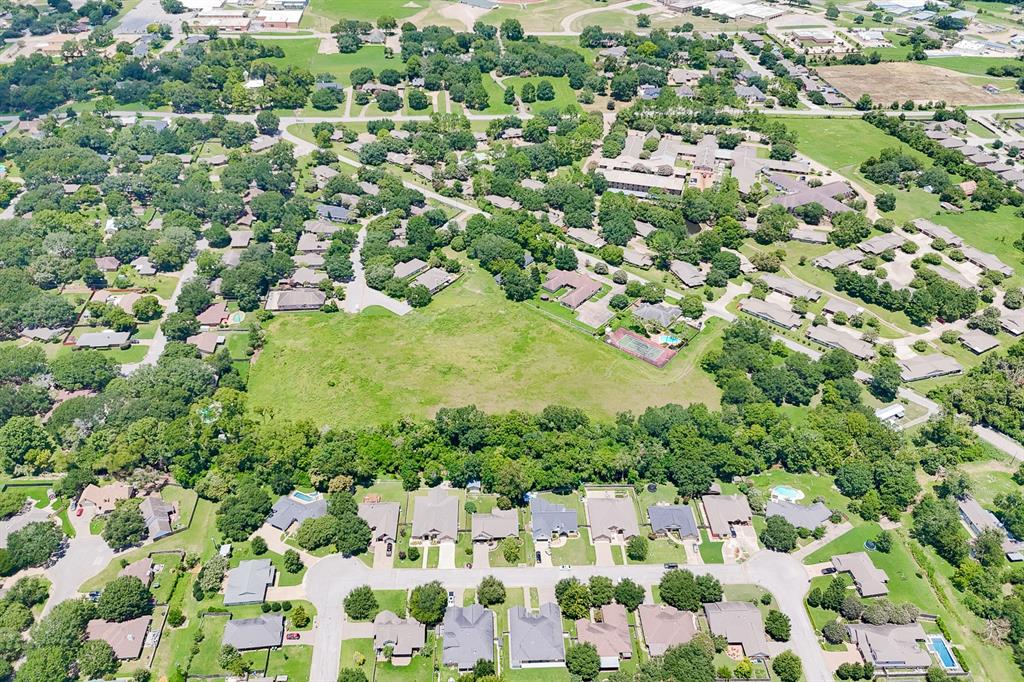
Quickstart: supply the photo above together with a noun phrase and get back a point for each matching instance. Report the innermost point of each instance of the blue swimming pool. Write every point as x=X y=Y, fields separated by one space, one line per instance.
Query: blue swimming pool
x=669 y=340
x=304 y=497
x=941 y=650
x=785 y=492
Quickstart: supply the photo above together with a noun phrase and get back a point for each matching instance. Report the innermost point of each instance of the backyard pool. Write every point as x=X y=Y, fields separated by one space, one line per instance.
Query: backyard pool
x=784 y=492
x=305 y=497
x=941 y=650
x=669 y=340
x=236 y=317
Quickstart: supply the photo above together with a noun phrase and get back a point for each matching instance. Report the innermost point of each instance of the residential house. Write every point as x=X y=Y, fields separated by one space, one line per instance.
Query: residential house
x=281 y=300
x=880 y=244
x=206 y=342
x=673 y=518
x=611 y=636
x=831 y=337
x=125 y=638
x=770 y=312
x=739 y=623
x=725 y=511
x=104 y=339
x=611 y=519
x=977 y=341
x=288 y=511
x=405 y=636
x=468 y=636
x=434 y=279
x=141 y=569
x=978 y=519
x=799 y=515
x=158 y=516
x=248 y=583
x=687 y=273
x=790 y=287
x=869 y=579
x=549 y=519
x=891 y=646
x=104 y=499
x=581 y=287
x=535 y=638
x=840 y=258
x=665 y=626
x=436 y=516
x=382 y=518
x=214 y=315
x=928 y=366
x=262 y=632
x=495 y=525
x=660 y=314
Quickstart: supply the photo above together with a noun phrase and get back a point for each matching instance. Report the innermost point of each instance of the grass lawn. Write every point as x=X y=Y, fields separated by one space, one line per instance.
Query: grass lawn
x=304 y=53
x=322 y=14
x=575 y=551
x=906 y=580
x=546 y=15
x=812 y=485
x=564 y=95
x=710 y=552
x=495 y=97
x=36 y=490
x=201 y=538
x=165 y=580
x=382 y=367
x=420 y=668
x=205 y=661
x=293 y=661
x=242 y=551
x=973 y=65
x=990 y=478
x=391 y=600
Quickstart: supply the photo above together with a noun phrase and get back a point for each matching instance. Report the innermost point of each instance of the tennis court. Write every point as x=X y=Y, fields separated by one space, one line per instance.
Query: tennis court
x=640 y=347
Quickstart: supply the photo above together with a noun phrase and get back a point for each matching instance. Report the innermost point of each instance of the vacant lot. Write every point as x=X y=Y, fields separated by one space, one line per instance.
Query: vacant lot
x=470 y=345
x=899 y=81
x=304 y=53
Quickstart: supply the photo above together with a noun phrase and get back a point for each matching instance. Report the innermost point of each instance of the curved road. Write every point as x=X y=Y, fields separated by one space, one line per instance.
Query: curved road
x=328 y=581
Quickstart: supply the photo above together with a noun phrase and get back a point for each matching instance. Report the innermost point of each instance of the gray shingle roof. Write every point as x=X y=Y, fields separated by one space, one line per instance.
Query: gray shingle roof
x=468 y=636
x=248 y=583
x=673 y=517
x=535 y=637
x=254 y=633
x=287 y=510
x=550 y=519
x=801 y=516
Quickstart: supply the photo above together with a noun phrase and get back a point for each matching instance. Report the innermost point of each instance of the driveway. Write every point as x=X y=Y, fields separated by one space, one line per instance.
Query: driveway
x=380 y=556
x=86 y=556
x=446 y=558
x=604 y=553
x=481 y=555
x=16 y=523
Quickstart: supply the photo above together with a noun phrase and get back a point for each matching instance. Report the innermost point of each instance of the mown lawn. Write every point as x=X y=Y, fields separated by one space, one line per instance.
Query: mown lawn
x=467 y=347
x=305 y=53
x=564 y=95
x=575 y=551
x=322 y=14
x=906 y=581
x=710 y=551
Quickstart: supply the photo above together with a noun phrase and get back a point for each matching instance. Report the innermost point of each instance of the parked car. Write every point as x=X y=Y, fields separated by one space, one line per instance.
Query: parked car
x=451 y=598
x=538 y=556
x=391 y=548
x=292 y=636
x=671 y=566
x=78 y=512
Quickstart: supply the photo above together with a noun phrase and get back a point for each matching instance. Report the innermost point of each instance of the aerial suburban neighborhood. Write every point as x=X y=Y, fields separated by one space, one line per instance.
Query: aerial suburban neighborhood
x=511 y=340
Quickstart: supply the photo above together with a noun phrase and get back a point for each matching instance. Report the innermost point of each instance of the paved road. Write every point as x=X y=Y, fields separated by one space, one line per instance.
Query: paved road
x=329 y=580
x=359 y=295
x=1000 y=441
x=86 y=556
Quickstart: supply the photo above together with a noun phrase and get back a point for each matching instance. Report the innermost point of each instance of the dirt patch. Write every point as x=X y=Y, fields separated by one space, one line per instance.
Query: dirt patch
x=899 y=81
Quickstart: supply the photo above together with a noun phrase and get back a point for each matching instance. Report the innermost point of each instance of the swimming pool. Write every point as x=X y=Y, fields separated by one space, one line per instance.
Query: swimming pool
x=785 y=492
x=669 y=340
x=236 y=317
x=305 y=497
x=941 y=650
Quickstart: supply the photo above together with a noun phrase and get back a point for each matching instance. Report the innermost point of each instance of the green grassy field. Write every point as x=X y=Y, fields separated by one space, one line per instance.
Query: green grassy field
x=304 y=53
x=322 y=14
x=467 y=347
x=972 y=65
x=564 y=95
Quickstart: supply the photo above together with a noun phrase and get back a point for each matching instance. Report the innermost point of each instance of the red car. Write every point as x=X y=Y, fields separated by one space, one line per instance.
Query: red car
x=292 y=635
x=78 y=512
